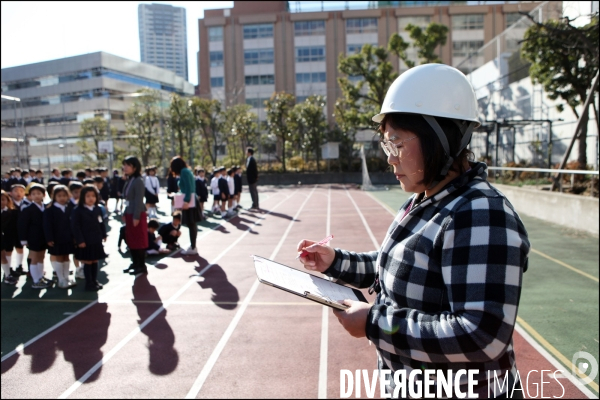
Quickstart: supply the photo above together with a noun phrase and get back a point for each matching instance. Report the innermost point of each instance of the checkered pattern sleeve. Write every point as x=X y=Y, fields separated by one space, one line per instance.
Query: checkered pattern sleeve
x=483 y=247
x=355 y=269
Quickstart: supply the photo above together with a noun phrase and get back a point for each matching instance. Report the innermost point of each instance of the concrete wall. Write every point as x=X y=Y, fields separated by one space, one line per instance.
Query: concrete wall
x=568 y=210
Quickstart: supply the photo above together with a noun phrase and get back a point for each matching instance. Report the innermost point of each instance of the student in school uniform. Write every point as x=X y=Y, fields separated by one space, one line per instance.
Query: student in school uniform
x=154 y=242
x=31 y=234
x=214 y=187
x=237 y=179
x=55 y=176
x=201 y=190
x=190 y=214
x=89 y=232
x=75 y=189
x=59 y=239
x=5 y=179
x=39 y=177
x=17 y=193
x=231 y=186
x=120 y=194
x=66 y=175
x=9 y=217
x=80 y=175
x=26 y=176
x=16 y=178
x=105 y=191
x=224 y=191
x=170 y=233
x=152 y=189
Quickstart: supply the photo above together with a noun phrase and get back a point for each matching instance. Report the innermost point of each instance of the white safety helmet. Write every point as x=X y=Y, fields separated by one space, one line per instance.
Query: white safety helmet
x=435 y=90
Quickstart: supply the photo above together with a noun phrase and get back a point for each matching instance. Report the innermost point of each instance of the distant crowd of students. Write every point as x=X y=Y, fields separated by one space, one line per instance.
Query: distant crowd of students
x=68 y=218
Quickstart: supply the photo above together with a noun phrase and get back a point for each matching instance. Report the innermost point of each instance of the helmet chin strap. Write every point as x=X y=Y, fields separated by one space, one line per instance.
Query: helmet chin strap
x=466 y=129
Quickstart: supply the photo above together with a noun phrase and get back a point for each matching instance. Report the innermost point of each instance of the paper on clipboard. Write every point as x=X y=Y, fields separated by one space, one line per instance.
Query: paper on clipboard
x=302 y=283
x=178 y=200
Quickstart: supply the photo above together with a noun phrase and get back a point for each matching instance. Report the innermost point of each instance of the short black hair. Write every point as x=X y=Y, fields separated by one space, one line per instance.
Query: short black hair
x=434 y=156
x=75 y=185
x=135 y=163
x=250 y=150
x=177 y=164
x=98 y=179
x=87 y=189
x=177 y=215
x=153 y=224
x=38 y=171
x=25 y=173
x=37 y=186
x=66 y=171
x=88 y=181
x=80 y=174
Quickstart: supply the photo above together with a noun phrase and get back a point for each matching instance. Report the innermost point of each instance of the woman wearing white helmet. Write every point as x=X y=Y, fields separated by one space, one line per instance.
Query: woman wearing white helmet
x=448 y=274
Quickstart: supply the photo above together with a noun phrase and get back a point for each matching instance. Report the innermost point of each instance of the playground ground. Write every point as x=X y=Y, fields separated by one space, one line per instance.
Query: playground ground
x=202 y=326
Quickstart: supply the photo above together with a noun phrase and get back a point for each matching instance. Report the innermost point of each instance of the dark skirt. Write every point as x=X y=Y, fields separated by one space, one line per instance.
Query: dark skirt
x=150 y=198
x=191 y=216
x=136 y=237
x=90 y=252
x=7 y=244
x=61 y=249
x=37 y=246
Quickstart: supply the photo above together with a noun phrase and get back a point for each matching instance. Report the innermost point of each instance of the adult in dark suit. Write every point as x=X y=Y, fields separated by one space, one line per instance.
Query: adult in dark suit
x=252 y=176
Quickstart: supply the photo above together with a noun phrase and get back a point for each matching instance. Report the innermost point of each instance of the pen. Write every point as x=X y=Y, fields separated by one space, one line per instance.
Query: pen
x=323 y=242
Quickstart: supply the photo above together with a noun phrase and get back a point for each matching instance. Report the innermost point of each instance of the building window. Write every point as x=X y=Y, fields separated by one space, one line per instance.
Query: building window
x=259 y=79
x=467 y=22
x=511 y=18
x=466 y=48
x=311 y=77
x=356 y=48
x=309 y=28
x=258 y=31
x=217 y=82
x=418 y=20
x=262 y=56
x=256 y=102
x=307 y=54
x=361 y=25
x=215 y=34
x=216 y=58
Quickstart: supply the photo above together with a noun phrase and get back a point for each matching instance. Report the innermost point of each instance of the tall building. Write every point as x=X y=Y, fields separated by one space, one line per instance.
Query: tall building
x=43 y=104
x=163 y=38
x=255 y=48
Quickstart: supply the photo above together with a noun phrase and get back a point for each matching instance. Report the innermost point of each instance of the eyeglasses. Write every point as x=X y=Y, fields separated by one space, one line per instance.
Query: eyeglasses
x=390 y=147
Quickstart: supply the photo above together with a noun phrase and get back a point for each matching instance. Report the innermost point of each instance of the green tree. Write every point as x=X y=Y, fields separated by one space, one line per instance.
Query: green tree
x=142 y=121
x=95 y=129
x=369 y=74
x=240 y=129
x=206 y=117
x=181 y=122
x=425 y=41
x=564 y=60
x=278 y=111
x=308 y=121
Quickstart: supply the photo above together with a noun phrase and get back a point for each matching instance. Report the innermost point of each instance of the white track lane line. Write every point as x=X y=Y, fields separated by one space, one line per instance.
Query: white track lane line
x=138 y=329
x=364 y=221
x=322 y=391
x=212 y=360
x=19 y=348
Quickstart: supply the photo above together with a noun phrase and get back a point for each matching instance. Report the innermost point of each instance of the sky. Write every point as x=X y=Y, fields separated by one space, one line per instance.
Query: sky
x=41 y=31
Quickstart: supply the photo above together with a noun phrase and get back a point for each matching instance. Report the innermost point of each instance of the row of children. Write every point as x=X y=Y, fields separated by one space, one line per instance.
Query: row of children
x=226 y=188
x=29 y=222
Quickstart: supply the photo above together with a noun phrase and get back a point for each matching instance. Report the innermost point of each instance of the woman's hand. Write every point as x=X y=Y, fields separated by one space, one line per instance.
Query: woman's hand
x=354 y=319
x=185 y=206
x=81 y=245
x=50 y=244
x=319 y=257
x=136 y=222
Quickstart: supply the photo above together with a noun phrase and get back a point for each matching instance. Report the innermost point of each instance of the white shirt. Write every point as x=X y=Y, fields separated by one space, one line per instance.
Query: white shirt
x=248 y=161
x=60 y=206
x=91 y=208
x=152 y=184
x=40 y=206
x=231 y=185
x=214 y=185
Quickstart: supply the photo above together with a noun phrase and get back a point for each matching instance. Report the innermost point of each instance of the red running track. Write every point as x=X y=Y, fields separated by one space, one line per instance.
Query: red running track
x=274 y=349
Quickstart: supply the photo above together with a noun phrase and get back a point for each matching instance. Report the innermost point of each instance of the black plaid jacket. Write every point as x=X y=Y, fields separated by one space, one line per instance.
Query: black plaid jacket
x=450 y=275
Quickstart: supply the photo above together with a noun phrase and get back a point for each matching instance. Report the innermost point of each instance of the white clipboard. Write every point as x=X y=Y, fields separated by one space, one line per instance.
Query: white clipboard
x=178 y=200
x=304 y=284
